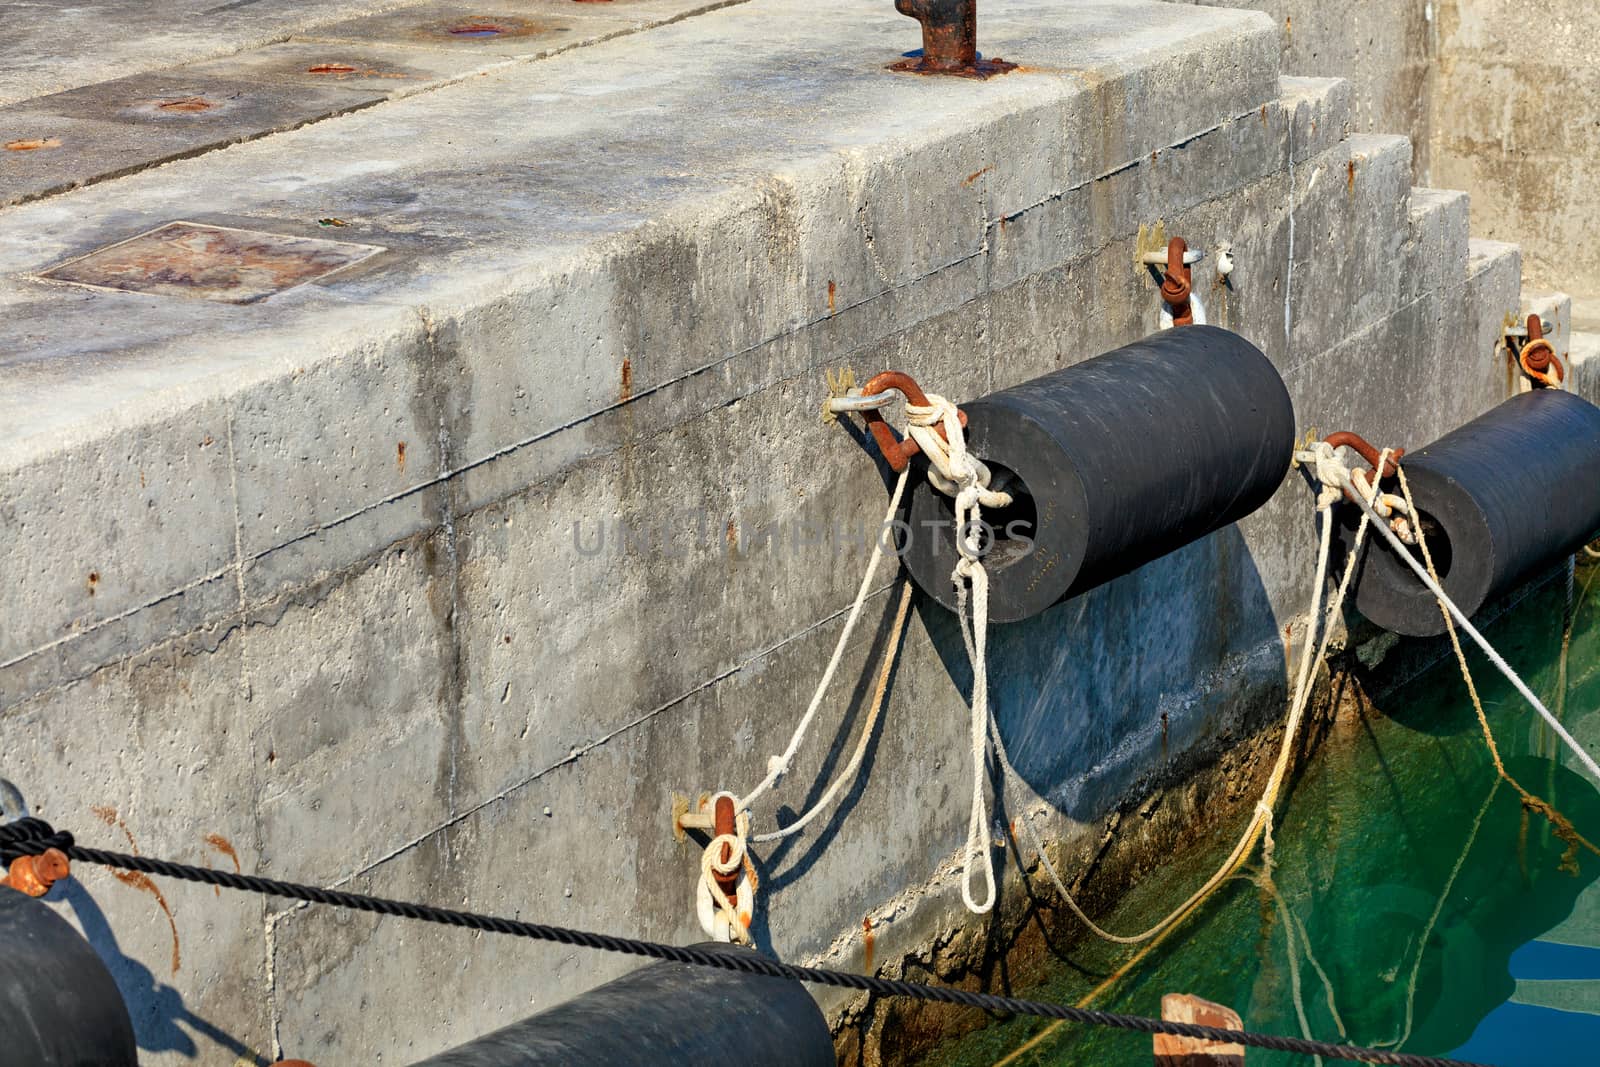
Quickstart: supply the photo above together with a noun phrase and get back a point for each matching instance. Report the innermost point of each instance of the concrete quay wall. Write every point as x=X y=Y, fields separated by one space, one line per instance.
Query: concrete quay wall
x=316 y=576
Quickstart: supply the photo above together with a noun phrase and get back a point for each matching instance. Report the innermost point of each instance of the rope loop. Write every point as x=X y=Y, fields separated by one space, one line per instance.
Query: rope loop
x=957 y=473
x=725 y=896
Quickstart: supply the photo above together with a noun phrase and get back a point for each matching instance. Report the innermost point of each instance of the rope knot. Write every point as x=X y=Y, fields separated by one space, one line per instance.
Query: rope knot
x=725 y=897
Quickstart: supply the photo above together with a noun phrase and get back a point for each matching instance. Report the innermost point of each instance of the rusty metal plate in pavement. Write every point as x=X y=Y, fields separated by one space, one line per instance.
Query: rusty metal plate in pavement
x=208 y=107
x=449 y=25
x=211 y=262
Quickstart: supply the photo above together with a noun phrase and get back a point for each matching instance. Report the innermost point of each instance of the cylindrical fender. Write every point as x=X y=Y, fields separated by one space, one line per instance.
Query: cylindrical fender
x=1502 y=498
x=58 y=1003
x=1113 y=462
x=663 y=1015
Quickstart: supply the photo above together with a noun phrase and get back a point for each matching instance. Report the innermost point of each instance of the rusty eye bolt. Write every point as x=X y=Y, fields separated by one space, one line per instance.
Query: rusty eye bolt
x=1538 y=358
x=898 y=452
x=949 y=40
x=1177 y=284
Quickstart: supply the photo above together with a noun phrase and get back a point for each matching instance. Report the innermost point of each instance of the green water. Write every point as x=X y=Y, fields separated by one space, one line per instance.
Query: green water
x=1414 y=903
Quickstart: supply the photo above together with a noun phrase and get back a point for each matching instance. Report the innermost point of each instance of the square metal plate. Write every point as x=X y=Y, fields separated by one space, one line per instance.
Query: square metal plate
x=220 y=263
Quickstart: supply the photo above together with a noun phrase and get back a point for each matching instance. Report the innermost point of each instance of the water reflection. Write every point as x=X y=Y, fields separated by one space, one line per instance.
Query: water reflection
x=1412 y=899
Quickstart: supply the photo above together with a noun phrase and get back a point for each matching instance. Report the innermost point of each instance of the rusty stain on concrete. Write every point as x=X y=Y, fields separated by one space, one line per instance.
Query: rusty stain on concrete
x=185 y=105
x=626 y=392
x=223 y=845
x=33 y=144
x=138 y=880
x=486 y=27
x=210 y=262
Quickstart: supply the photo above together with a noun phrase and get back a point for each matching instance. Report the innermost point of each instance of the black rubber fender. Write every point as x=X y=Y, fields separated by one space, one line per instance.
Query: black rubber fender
x=664 y=1015
x=1504 y=498
x=1116 y=461
x=58 y=1003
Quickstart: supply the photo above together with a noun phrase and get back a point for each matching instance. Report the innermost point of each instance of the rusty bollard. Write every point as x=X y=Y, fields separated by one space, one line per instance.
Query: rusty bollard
x=949 y=40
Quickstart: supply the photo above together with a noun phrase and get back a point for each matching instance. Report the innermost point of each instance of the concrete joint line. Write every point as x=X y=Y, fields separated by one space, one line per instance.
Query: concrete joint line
x=1123 y=168
x=578 y=752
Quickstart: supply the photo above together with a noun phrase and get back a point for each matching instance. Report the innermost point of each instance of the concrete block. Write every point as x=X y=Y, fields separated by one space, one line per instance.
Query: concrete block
x=772 y=545
x=717 y=737
x=122 y=126
x=353 y=689
x=1384 y=49
x=1438 y=241
x=1350 y=228
x=105 y=528
x=48 y=154
x=1585 y=366
x=155 y=756
x=108 y=41
x=338 y=459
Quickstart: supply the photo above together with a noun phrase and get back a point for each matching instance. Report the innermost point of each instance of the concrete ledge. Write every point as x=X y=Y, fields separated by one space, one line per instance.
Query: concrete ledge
x=475 y=336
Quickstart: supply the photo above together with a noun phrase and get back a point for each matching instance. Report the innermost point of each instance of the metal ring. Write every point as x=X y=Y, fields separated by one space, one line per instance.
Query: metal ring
x=12 y=804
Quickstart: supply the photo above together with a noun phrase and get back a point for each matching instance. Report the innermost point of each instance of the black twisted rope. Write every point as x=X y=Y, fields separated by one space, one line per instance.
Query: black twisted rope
x=28 y=837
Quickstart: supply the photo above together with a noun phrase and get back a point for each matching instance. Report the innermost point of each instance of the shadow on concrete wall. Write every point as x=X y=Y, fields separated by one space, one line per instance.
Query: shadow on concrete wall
x=1111 y=688
x=161 y=1021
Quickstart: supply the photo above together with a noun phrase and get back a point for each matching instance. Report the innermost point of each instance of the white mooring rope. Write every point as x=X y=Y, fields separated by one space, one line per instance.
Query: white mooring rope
x=778 y=766
x=957 y=473
x=1260 y=825
x=1472 y=631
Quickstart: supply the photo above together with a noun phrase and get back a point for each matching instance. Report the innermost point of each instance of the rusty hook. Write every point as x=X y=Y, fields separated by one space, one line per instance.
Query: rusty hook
x=1178 y=283
x=1362 y=448
x=898 y=452
x=1538 y=356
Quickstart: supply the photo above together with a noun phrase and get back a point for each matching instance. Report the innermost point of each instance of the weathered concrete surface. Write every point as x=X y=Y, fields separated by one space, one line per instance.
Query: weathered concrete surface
x=1385 y=48
x=344 y=537
x=317 y=61
x=1515 y=122
x=1585 y=365
x=1501 y=99
x=52 y=47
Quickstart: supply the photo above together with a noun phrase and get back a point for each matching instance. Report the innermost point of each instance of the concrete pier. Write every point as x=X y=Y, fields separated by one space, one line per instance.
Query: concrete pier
x=414 y=478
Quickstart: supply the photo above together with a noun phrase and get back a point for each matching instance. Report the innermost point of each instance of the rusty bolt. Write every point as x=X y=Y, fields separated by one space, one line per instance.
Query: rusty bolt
x=896 y=451
x=34 y=875
x=186 y=104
